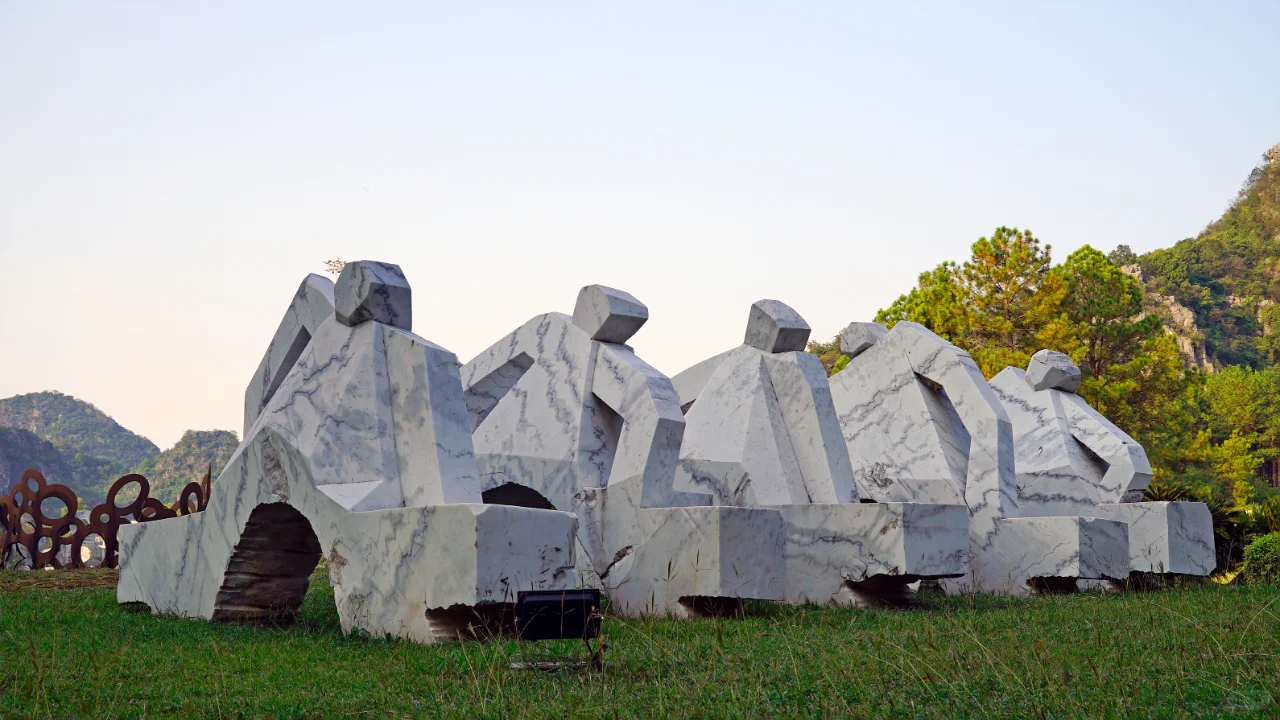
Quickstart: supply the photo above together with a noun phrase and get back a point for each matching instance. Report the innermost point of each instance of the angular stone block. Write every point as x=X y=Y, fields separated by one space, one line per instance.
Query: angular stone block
x=1025 y=552
x=1052 y=369
x=609 y=315
x=1166 y=537
x=695 y=561
x=833 y=550
x=369 y=290
x=774 y=327
x=857 y=337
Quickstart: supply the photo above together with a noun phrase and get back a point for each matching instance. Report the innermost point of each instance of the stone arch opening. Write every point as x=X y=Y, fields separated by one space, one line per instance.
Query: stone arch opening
x=270 y=567
x=518 y=495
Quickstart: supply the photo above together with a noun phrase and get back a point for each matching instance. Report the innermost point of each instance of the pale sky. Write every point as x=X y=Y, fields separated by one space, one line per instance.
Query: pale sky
x=170 y=171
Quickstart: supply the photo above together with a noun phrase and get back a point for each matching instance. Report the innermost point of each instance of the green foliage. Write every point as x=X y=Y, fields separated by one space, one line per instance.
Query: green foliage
x=1262 y=559
x=1149 y=397
x=1122 y=256
x=1193 y=651
x=1229 y=273
x=93 y=477
x=1269 y=515
x=1091 y=310
x=988 y=305
x=1006 y=302
x=21 y=450
x=188 y=460
x=937 y=302
x=1219 y=432
x=1003 y=280
x=828 y=353
x=89 y=477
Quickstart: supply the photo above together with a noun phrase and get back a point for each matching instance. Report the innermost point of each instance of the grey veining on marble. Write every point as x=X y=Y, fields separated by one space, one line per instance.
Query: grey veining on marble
x=689 y=383
x=774 y=327
x=1071 y=460
x=362 y=455
x=1025 y=550
x=905 y=441
x=763 y=432
x=609 y=315
x=1052 y=369
x=369 y=290
x=1166 y=537
x=591 y=428
x=832 y=550
x=860 y=336
x=922 y=425
x=311 y=306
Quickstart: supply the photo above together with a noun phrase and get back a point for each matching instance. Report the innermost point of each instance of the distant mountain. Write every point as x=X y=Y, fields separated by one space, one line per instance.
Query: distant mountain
x=75 y=427
x=1227 y=277
x=74 y=443
x=21 y=450
x=171 y=470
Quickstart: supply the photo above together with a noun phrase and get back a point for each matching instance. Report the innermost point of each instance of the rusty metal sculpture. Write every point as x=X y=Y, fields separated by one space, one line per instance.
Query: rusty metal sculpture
x=36 y=533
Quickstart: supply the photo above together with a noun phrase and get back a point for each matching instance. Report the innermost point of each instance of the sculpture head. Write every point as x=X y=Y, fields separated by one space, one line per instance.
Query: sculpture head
x=858 y=337
x=371 y=290
x=774 y=327
x=609 y=315
x=1052 y=369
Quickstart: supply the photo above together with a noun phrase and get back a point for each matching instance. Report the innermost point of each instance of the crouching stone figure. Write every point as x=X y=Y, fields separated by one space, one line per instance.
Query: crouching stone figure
x=1071 y=460
x=763 y=432
x=357 y=450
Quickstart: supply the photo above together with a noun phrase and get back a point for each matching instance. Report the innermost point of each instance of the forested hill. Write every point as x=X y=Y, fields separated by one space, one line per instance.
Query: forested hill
x=74 y=443
x=75 y=427
x=1229 y=275
x=22 y=450
x=188 y=460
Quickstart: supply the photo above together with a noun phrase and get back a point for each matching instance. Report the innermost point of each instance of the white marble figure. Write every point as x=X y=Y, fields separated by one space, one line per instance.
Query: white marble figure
x=922 y=425
x=565 y=415
x=1070 y=460
x=357 y=449
x=763 y=432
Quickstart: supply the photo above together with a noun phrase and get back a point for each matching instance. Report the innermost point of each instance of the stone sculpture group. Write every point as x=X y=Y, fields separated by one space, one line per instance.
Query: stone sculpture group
x=558 y=459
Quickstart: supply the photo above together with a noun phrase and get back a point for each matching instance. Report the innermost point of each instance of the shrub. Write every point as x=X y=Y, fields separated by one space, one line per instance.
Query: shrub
x=1262 y=559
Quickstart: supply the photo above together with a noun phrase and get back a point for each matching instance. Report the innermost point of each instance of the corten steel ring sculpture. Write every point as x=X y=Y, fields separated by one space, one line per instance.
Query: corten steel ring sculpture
x=37 y=534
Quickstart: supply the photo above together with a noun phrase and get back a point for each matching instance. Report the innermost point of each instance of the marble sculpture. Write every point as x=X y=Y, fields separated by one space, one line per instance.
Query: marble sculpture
x=357 y=448
x=1070 y=460
x=922 y=425
x=763 y=432
x=565 y=415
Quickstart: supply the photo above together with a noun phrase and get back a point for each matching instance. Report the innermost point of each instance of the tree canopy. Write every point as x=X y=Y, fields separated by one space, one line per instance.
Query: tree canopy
x=1218 y=432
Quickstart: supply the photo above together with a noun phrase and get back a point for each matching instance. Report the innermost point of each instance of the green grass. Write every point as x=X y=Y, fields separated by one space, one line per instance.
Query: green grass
x=1195 y=651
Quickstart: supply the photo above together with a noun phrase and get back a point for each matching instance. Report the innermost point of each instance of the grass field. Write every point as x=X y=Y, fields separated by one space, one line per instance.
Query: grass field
x=1196 y=651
